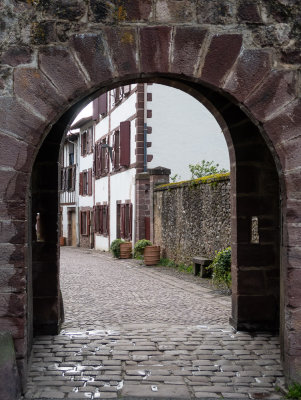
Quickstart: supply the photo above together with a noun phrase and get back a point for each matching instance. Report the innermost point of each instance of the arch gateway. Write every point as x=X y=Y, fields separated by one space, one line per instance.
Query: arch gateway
x=240 y=58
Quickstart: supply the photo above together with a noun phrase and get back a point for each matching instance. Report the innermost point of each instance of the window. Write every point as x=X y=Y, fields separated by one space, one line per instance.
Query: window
x=101 y=219
x=85 y=183
x=120 y=92
x=71 y=153
x=124 y=220
x=68 y=176
x=100 y=107
x=122 y=145
x=116 y=149
x=87 y=142
x=84 y=222
x=101 y=158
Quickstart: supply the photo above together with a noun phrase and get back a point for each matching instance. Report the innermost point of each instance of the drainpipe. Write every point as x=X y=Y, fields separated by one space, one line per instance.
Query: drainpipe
x=145 y=130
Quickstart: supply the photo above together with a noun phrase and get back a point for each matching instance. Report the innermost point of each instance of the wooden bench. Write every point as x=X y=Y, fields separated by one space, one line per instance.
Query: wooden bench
x=199 y=266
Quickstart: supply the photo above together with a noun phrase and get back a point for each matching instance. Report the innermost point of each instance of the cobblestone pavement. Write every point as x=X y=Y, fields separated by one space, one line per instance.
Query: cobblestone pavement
x=136 y=332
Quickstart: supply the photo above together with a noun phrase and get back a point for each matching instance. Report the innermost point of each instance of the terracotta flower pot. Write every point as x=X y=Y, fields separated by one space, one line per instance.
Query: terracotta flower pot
x=126 y=250
x=151 y=255
x=62 y=241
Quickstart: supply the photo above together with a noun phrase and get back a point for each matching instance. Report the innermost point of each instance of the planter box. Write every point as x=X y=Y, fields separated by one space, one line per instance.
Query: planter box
x=126 y=250
x=151 y=255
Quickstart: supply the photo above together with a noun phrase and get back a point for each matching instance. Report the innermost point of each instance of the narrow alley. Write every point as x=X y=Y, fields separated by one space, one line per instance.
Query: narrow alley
x=132 y=331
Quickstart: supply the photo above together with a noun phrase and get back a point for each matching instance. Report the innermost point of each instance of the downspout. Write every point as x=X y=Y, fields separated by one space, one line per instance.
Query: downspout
x=145 y=130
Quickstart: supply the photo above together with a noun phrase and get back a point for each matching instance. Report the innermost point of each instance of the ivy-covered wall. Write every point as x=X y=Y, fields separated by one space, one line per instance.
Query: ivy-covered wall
x=192 y=218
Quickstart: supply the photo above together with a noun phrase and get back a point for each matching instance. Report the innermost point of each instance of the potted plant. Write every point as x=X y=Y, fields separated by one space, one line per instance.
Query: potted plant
x=121 y=249
x=151 y=255
x=140 y=246
x=125 y=250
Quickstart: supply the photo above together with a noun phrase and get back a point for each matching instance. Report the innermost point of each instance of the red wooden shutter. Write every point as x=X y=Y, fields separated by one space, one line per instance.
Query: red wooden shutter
x=80 y=222
x=101 y=219
x=73 y=177
x=113 y=149
x=95 y=109
x=103 y=104
x=94 y=218
x=108 y=220
x=88 y=223
x=122 y=220
x=130 y=220
x=90 y=182
x=94 y=161
x=81 y=183
x=125 y=143
x=147 y=227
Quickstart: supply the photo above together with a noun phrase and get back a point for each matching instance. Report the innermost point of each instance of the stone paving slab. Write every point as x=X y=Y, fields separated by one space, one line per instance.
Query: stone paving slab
x=170 y=352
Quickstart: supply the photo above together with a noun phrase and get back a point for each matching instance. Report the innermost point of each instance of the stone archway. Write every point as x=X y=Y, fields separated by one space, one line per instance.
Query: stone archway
x=255 y=94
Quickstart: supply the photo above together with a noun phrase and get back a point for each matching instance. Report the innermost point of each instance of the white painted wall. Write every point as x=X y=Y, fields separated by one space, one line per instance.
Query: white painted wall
x=183 y=132
x=124 y=111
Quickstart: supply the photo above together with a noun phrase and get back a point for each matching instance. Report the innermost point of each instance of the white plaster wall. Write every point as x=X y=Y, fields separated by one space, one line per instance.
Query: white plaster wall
x=183 y=132
x=101 y=190
x=102 y=128
x=122 y=188
x=133 y=142
x=123 y=111
x=101 y=243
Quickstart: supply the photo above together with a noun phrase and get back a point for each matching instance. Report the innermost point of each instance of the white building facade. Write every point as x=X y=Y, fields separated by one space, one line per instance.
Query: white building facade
x=120 y=147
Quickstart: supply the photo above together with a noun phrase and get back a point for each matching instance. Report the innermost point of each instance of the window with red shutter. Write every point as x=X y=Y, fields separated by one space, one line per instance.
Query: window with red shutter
x=108 y=220
x=73 y=177
x=130 y=221
x=118 y=216
x=88 y=223
x=116 y=150
x=125 y=143
x=101 y=219
x=90 y=182
x=84 y=222
x=122 y=220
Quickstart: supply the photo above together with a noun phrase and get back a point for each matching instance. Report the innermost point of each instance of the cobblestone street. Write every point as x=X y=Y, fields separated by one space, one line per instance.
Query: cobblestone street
x=132 y=331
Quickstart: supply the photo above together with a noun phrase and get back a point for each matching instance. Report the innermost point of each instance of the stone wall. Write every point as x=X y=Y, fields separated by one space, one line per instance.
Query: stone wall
x=193 y=218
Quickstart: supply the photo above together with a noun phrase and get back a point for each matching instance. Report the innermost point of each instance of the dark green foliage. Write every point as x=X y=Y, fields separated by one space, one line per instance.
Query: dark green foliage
x=115 y=247
x=140 y=246
x=294 y=391
x=221 y=269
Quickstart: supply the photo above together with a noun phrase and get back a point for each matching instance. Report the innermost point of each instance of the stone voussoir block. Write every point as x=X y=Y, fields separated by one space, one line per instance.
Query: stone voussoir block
x=18 y=120
x=90 y=50
x=33 y=88
x=187 y=46
x=122 y=43
x=278 y=89
x=59 y=66
x=250 y=69
x=155 y=44
x=220 y=58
